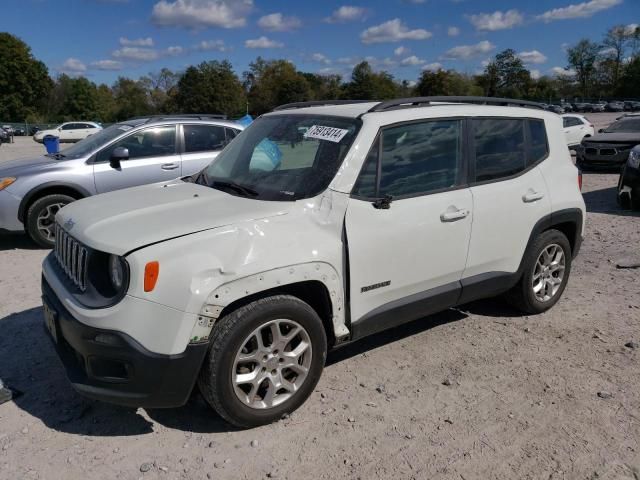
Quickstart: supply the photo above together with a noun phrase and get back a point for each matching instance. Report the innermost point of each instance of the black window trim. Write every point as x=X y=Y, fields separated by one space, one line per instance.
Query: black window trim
x=94 y=157
x=529 y=166
x=463 y=162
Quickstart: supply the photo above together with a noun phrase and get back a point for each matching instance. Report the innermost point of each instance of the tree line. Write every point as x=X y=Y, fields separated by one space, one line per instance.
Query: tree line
x=606 y=69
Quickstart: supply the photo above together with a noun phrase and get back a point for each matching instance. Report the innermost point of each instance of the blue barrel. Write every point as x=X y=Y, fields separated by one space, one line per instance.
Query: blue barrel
x=51 y=143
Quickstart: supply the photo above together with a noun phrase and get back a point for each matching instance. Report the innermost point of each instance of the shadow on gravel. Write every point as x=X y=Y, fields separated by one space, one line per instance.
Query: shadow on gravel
x=604 y=201
x=17 y=242
x=30 y=366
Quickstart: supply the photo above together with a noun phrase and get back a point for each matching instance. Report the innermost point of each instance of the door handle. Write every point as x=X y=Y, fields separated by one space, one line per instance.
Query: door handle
x=453 y=215
x=532 y=196
x=169 y=166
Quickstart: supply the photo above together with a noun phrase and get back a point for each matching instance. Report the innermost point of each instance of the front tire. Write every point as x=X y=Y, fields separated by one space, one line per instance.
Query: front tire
x=41 y=218
x=265 y=360
x=547 y=265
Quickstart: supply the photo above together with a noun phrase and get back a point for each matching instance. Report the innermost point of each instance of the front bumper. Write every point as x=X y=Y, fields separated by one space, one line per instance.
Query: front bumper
x=9 y=206
x=595 y=157
x=111 y=366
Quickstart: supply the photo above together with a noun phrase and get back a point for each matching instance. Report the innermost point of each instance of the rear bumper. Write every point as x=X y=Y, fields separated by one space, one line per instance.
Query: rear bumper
x=111 y=366
x=9 y=206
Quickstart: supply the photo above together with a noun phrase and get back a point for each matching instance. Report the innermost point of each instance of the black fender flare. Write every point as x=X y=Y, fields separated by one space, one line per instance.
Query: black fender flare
x=33 y=193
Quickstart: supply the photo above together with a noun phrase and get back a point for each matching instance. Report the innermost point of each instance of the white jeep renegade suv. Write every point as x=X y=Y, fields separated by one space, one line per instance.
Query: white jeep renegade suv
x=321 y=223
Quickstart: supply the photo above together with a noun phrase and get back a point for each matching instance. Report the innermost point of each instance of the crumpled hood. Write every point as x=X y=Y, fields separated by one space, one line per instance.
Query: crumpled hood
x=125 y=220
x=615 y=137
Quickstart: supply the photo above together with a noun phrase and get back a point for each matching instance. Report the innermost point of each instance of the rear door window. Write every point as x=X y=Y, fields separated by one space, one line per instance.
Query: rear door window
x=499 y=148
x=203 y=138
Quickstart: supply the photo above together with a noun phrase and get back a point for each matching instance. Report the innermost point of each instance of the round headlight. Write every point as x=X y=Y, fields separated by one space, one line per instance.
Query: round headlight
x=116 y=272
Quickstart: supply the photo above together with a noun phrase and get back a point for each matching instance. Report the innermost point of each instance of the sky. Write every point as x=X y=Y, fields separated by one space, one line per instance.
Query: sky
x=103 y=39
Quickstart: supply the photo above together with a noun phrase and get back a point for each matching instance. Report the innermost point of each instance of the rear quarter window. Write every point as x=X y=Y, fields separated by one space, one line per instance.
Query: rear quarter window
x=538 y=144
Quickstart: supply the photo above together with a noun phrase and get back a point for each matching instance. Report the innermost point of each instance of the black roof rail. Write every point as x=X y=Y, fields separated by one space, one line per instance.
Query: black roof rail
x=428 y=101
x=318 y=103
x=180 y=116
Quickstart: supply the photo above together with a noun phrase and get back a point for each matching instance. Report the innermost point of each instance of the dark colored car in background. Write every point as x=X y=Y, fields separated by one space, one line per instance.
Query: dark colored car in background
x=629 y=182
x=19 y=132
x=631 y=106
x=610 y=147
x=614 y=107
x=583 y=107
x=4 y=136
x=598 y=107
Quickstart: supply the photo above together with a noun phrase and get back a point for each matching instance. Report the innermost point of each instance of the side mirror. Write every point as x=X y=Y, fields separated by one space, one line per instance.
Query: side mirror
x=601 y=130
x=118 y=154
x=59 y=129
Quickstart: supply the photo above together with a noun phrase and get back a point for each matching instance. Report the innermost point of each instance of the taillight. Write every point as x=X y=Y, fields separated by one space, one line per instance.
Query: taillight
x=579 y=180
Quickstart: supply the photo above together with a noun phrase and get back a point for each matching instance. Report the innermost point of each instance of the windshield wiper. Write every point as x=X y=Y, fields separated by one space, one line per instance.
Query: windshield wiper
x=235 y=186
x=57 y=156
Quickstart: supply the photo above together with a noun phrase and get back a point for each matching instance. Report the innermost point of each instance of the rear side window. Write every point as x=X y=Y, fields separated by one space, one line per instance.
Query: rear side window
x=417 y=158
x=538 y=145
x=571 y=121
x=500 y=148
x=203 y=138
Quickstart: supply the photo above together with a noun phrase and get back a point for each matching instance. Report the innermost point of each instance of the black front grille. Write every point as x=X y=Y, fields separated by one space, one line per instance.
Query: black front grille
x=73 y=257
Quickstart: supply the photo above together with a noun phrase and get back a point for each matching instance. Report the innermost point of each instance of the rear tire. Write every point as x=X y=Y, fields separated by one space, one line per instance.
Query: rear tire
x=251 y=378
x=547 y=265
x=40 y=219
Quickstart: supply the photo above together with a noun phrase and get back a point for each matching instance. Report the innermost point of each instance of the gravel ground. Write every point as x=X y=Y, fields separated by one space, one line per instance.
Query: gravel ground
x=477 y=392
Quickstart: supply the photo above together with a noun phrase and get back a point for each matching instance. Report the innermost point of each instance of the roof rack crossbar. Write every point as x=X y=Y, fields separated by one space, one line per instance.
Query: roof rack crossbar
x=178 y=116
x=318 y=103
x=413 y=102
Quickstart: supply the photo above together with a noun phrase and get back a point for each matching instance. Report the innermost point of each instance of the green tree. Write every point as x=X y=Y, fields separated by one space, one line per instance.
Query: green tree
x=24 y=81
x=105 y=104
x=161 y=89
x=211 y=87
x=615 y=43
x=366 y=84
x=506 y=76
x=130 y=99
x=324 y=87
x=80 y=100
x=446 y=82
x=274 y=82
x=582 y=58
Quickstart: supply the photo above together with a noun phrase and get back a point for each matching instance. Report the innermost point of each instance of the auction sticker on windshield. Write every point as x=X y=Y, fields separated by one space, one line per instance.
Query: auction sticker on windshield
x=326 y=133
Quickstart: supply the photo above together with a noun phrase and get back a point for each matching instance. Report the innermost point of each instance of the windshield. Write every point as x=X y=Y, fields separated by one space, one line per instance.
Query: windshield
x=283 y=157
x=625 y=125
x=90 y=144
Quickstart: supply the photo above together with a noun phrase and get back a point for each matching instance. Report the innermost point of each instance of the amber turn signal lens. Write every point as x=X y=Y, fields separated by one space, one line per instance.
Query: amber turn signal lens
x=151 y=272
x=6 y=181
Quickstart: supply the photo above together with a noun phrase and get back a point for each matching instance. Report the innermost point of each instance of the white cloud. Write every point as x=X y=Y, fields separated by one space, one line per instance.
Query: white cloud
x=485 y=63
x=263 y=42
x=211 y=45
x=73 y=66
x=464 y=52
x=453 y=31
x=562 y=72
x=202 y=13
x=136 y=54
x=631 y=28
x=138 y=42
x=276 y=22
x=535 y=74
x=392 y=31
x=381 y=62
x=434 y=67
x=347 y=13
x=106 y=65
x=534 y=56
x=320 y=58
x=401 y=50
x=578 y=10
x=498 y=20
x=411 y=61
x=174 y=51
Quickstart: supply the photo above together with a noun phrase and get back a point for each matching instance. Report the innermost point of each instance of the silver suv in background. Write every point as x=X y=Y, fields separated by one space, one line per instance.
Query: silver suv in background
x=127 y=154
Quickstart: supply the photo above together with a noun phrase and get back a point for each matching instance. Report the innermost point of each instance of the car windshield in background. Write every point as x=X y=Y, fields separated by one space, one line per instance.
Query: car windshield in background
x=283 y=157
x=625 y=125
x=93 y=142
